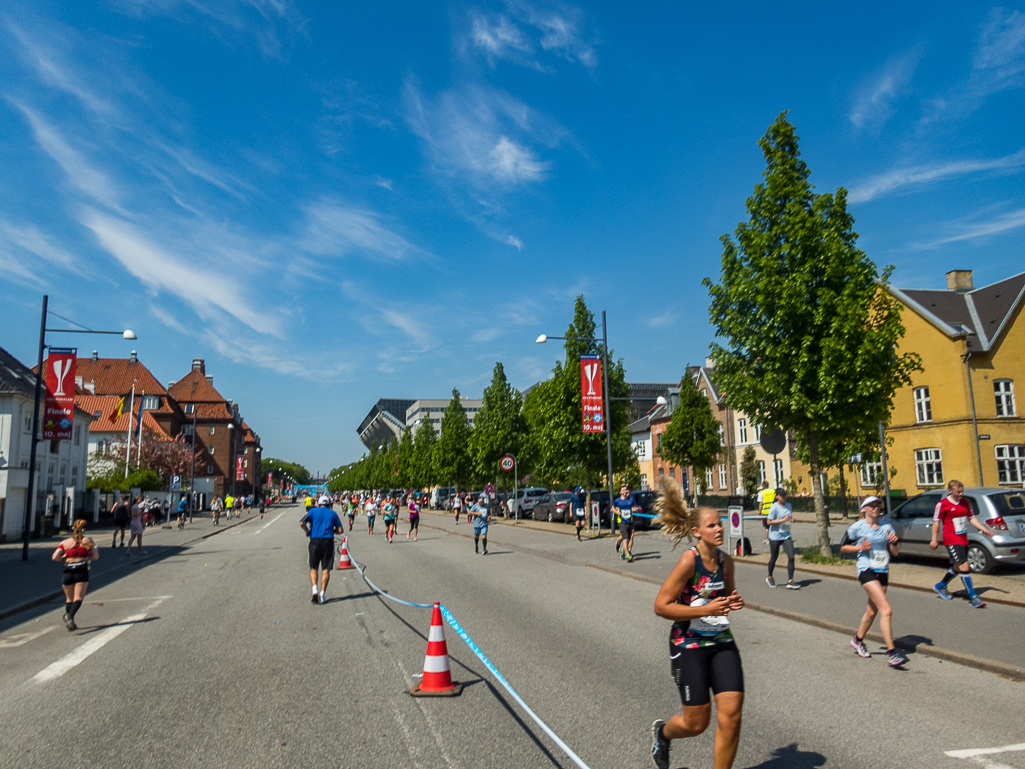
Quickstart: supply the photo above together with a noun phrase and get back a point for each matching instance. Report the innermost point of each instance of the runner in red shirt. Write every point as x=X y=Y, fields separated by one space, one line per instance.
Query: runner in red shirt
x=954 y=514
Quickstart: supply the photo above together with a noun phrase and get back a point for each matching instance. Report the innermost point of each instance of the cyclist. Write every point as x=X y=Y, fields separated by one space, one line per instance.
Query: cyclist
x=874 y=542
x=698 y=596
x=953 y=514
x=183 y=511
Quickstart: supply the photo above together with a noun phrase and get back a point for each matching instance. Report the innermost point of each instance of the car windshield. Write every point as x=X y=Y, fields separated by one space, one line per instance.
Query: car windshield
x=1009 y=502
x=562 y=496
x=536 y=493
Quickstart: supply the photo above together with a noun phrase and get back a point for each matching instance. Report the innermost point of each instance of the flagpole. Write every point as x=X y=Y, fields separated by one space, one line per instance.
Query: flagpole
x=131 y=413
x=138 y=429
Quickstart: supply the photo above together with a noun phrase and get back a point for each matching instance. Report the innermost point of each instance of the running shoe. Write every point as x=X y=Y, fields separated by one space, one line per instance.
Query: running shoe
x=321 y=599
x=622 y=555
x=895 y=658
x=629 y=557
x=485 y=552
x=476 y=549
x=770 y=582
x=313 y=598
x=942 y=592
x=659 y=746
x=976 y=602
x=793 y=586
x=70 y=625
x=859 y=647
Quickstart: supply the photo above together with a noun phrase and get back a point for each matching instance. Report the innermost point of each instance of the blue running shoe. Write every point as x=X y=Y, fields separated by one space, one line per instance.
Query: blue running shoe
x=942 y=592
x=976 y=602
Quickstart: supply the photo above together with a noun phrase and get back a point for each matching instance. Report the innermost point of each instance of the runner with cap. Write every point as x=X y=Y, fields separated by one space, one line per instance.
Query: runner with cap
x=875 y=542
x=953 y=514
x=321 y=523
x=480 y=515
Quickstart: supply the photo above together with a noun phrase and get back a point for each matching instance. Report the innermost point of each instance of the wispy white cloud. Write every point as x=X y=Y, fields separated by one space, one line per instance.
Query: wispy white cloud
x=334 y=228
x=497 y=34
x=168 y=319
x=874 y=103
x=280 y=358
x=917 y=175
x=665 y=319
x=970 y=230
x=27 y=238
x=517 y=35
x=515 y=242
x=561 y=33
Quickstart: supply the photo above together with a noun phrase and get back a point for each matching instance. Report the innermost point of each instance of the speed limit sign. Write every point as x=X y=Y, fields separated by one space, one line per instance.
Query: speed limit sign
x=507 y=463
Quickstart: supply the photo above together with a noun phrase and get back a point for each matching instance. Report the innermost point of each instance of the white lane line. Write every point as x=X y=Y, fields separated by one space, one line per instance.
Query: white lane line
x=20 y=639
x=90 y=647
x=974 y=752
x=140 y=598
x=268 y=523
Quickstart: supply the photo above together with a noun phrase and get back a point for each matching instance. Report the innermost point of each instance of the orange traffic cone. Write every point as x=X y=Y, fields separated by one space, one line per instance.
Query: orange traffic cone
x=345 y=562
x=437 y=679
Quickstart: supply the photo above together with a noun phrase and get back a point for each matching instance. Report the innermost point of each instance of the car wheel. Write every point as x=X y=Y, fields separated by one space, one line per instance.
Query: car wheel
x=551 y=516
x=979 y=559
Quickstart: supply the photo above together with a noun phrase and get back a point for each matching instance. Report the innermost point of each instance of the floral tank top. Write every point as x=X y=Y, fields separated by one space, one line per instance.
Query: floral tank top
x=704 y=586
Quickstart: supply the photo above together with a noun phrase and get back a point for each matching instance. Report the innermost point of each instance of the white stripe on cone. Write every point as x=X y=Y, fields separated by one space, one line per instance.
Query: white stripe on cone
x=437 y=633
x=436 y=664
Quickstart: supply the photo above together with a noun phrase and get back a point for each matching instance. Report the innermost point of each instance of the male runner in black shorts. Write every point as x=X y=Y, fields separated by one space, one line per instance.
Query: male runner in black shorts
x=321 y=524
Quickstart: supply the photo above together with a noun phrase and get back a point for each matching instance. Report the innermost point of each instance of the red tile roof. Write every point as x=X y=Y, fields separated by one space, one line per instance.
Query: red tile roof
x=114 y=376
x=195 y=388
x=107 y=406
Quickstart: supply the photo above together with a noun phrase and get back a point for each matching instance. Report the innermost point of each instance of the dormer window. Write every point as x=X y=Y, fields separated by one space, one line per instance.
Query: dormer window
x=150 y=402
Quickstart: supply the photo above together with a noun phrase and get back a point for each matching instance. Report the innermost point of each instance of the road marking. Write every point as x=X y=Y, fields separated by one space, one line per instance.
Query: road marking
x=979 y=755
x=90 y=647
x=21 y=639
x=140 y=598
x=268 y=523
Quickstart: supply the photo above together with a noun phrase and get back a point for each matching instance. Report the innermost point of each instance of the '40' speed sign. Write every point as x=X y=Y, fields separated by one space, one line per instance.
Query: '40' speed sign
x=508 y=462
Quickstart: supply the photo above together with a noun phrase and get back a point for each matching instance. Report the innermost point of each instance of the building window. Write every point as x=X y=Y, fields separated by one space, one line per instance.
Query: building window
x=64 y=474
x=722 y=476
x=644 y=481
x=213 y=429
x=188 y=430
x=742 y=430
x=1003 y=390
x=929 y=464
x=777 y=471
x=28 y=423
x=150 y=402
x=210 y=449
x=209 y=469
x=1010 y=464
x=661 y=472
x=761 y=471
x=758 y=433
x=722 y=435
x=658 y=441
x=708 y=479
x=672 y=473
x=923 y=405
x=871 y=473
x=78 y=435
x=74 y=475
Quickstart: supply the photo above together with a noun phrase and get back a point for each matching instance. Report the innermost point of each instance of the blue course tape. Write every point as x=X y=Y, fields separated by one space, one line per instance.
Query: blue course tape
x=480 y=655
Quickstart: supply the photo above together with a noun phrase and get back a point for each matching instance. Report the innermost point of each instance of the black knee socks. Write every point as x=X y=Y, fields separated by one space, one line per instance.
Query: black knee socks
x=948 y=576
x=73 y=608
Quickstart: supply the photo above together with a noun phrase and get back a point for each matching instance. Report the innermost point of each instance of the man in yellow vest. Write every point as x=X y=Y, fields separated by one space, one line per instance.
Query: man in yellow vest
x=768 y=496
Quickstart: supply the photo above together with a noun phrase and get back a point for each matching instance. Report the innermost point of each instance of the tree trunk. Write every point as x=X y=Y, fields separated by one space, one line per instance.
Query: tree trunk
x=843 y=494
x=821 y=516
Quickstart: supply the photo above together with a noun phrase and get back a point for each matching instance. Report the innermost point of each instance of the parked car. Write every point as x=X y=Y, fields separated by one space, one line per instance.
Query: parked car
x=440 y=497
x=645 y=501
x=1001 y=510
x=544 y=508
x=523 y=504
x=561 y=507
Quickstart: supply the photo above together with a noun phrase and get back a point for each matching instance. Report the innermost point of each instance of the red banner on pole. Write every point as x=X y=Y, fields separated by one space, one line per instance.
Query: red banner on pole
x=591 y=394
x=59 y=407
x=270 y=478
x=240 y=468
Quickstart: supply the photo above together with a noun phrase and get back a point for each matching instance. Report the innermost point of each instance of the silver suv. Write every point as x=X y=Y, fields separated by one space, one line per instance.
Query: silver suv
x=1002 y=510
x=525 y=501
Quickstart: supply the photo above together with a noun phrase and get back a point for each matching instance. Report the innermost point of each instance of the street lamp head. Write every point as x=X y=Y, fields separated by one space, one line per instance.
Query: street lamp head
x=541 y=339
x=661 y=400
x=129 y=334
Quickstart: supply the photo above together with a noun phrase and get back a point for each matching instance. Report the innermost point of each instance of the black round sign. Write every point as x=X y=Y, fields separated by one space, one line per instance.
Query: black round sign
x=774 y=440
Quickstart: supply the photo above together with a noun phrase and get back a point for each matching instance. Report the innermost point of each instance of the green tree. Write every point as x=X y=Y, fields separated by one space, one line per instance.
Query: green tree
x=809 y=332
x=557 y=450
x=281 y=468
x=424 y=443
x=452 y=454
x=749 y=472
x=692 y=437
x=499 y=427
x=404 y=459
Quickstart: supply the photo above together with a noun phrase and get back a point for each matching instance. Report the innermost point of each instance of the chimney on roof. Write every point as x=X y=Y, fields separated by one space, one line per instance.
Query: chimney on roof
x=210 y=378
x=96 y=355
x=80 y=381
x=91 y=387
x=709 y=363
x=960 y=281
x=133 y=357
x=199 y=363
x=170 y=385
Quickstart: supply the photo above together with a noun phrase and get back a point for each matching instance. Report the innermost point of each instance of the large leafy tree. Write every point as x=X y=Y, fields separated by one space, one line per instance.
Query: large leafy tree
x=452 y=454
x=749 y=472
x=281 y=468
x=499 y=427
x=161 y=456
x=557 y=448
x=424 y=442
x=693 y=435
x=808 y=332
x=404 y=459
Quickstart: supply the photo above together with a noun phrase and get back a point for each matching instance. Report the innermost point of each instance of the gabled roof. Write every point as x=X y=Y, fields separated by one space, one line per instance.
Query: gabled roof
x=706 y=375
x=106 y=405
x=115 y=376
x=982 y=314
x=194 y=387
x=15 y=377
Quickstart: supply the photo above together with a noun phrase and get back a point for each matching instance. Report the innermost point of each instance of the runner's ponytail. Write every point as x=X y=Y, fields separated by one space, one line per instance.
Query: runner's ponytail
x=676 y=517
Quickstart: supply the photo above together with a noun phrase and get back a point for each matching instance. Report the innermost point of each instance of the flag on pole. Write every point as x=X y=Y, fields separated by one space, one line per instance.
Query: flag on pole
x=138 y=419
x=118 y=411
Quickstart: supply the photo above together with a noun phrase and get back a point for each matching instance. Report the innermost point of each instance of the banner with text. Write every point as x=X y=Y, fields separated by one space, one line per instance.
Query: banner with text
x=59 y=407
x=240 y=468
x=270 y=478
x=591 y=394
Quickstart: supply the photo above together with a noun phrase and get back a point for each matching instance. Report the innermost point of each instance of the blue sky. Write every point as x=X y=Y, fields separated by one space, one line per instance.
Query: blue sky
x=337 y=202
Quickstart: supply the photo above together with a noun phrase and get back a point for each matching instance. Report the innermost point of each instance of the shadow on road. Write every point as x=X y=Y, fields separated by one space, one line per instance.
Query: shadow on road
x=912 y=642
x=97 y=628
x=652 y=556
x=792 y=758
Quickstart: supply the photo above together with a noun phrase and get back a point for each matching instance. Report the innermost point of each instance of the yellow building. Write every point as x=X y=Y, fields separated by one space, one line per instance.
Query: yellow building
x=959 y=418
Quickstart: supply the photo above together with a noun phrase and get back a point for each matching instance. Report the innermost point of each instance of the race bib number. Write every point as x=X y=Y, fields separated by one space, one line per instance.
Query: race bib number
x=710 y=625
x=880 y=560
x=961 y=525
x=784 y=528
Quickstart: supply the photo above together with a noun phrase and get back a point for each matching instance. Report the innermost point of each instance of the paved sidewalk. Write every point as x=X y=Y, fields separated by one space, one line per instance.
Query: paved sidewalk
x=38 y=580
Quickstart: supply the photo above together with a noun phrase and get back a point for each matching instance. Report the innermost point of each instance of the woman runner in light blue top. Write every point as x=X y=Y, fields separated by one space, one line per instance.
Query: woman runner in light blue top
x=875 y=542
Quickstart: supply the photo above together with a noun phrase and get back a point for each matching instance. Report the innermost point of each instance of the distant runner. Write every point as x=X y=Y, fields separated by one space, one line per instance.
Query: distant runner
x=457 y=506
x=414 y=519
x=480 y=514
x=370 y=508
x=625 y=506
x=321 y=524
x=391 y=514
x=953 y=514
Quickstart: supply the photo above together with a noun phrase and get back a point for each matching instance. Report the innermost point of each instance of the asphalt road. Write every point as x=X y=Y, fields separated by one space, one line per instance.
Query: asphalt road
x=216 y=657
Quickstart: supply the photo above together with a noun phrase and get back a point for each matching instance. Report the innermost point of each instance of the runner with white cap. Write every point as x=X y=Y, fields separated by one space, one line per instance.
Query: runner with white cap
x=321 y=524
x=875 y=542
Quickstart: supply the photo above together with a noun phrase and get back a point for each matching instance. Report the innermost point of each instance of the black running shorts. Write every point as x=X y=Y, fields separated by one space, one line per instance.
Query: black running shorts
x=75 y=573
x=322 y=553
x=714 y=668
x=882 y=577
x=626 y=528
x=957 y=553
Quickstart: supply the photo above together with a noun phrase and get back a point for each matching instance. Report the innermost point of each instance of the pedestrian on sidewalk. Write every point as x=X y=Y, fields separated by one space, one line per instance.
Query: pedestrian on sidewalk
x=875 y=542
x=698 y=596
x=781 y=515
x=136 y=527
x=122 y=516
x=765 y=499
x=76 y=552
x=480 y=514
x=321 y=523
x=953 y=514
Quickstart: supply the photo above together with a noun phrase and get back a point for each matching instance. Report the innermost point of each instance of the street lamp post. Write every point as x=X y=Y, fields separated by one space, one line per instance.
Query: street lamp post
x=608 y=400
x=231 y=450
x=34 y=443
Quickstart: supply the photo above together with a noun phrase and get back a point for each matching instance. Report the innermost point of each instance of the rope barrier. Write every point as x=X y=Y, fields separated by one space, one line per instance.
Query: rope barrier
x=454 y=623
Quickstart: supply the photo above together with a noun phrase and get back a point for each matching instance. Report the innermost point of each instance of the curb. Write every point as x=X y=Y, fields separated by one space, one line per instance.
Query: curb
x=51 y=596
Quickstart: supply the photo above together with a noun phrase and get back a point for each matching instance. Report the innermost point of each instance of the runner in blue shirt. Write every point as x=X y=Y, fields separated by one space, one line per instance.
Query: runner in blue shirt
x=875 y=542
x=779 y=518
x=321 y=523
x=480 y=515
x=625 y=507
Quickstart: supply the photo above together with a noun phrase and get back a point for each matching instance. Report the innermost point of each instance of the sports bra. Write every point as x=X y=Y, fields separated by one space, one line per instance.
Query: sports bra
x=76 y=551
